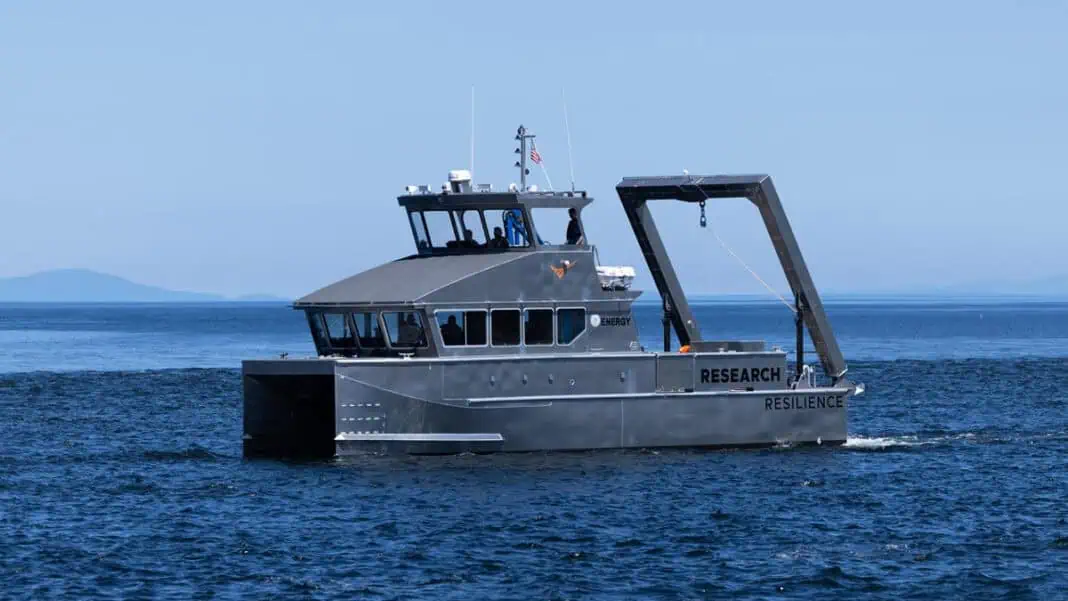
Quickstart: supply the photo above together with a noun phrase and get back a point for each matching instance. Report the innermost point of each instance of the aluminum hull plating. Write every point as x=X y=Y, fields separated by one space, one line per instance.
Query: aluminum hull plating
x=627 y=421
x=450 y=407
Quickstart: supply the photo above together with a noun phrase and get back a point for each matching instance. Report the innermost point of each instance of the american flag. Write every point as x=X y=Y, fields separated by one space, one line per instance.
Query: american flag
x=534 y=156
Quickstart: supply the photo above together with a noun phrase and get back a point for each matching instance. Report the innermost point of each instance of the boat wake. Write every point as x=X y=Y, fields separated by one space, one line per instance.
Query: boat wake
x=878 y=443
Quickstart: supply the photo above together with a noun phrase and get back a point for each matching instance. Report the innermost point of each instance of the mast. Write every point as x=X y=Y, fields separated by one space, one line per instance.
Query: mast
x=522 y=135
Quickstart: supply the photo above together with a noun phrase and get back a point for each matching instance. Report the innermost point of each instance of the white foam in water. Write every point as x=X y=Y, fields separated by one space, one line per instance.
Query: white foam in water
x=880 y=442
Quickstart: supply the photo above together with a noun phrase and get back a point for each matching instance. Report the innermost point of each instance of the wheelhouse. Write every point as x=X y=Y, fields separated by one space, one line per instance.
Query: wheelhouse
x=491 y=221
x=493 y=273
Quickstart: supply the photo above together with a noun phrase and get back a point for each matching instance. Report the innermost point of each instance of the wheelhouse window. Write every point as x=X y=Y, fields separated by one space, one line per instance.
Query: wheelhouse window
x=368 y=330
x=339 y=332
x=505 y=325
x=405 y=329
x=422 y=241
x=507 y=228
x=538 y=327
x=472 y=229
x=557 y=227
x=489 y=229
x=570 y=323
x=315 y=321
x=462 y=328
x=441 y=230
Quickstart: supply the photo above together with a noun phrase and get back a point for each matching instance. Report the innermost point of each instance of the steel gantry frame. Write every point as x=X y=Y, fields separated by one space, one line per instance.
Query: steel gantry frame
x=635 y=192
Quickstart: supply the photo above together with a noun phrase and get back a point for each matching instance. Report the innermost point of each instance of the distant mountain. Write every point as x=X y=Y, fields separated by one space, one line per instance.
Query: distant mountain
x=84 y=285
x=261 y=298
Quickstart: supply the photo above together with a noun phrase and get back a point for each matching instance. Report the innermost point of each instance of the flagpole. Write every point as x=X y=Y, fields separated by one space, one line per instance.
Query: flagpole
x=541 y=163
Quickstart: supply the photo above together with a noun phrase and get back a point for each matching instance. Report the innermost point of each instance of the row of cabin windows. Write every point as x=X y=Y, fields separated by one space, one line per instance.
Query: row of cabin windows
x=510 y=327
x=405 y=329
x=507 y=327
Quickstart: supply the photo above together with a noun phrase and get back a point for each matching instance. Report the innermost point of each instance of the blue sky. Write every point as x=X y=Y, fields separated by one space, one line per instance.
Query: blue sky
x=242 y=147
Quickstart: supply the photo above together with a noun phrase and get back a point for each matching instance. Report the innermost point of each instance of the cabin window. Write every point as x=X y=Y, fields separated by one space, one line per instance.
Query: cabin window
x=338 y=331
x=439 y=227
x=368 y=329
x=554 y=227
x=404 y=328
x=471 y=228
x=315 y=321
x=462 y=328
x=512 y=225
x=505 y=324
x=538 y=326
x=570 y=323
x=422 y=242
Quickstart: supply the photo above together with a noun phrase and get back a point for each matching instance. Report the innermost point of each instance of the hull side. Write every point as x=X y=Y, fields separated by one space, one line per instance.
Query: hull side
x=587 y=421
x=421 y=407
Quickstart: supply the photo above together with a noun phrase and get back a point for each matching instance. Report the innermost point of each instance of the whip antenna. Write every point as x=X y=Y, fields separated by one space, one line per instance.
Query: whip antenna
x=472 y=133
x=567 y=129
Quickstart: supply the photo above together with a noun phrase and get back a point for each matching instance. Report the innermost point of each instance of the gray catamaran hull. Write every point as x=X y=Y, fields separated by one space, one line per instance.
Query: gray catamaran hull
x=328 y=408
x=648 y=421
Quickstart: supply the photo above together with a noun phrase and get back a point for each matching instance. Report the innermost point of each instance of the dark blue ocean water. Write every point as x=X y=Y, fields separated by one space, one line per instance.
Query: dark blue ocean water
x=121 y=476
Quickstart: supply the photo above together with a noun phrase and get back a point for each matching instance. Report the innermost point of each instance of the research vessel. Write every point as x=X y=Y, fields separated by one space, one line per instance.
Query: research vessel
x=498 y=334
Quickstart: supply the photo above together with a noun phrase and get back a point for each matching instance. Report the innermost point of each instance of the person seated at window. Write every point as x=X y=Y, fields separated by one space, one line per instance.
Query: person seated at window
x=574 y=232
x=469 y=240
x=410 y=333
x=498 y=240
x=451 y=332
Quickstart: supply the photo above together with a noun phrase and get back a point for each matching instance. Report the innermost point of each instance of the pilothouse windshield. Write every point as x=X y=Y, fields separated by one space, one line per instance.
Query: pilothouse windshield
x=466 y=229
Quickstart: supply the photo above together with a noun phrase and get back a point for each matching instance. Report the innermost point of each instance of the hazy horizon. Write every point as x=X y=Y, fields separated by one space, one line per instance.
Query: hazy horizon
x=257 y=148
x=77 y=286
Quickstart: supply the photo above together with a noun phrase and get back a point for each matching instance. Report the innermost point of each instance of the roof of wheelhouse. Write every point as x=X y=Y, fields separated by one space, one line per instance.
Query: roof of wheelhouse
x=493 y=200
x=405 y=280
x=413 y=278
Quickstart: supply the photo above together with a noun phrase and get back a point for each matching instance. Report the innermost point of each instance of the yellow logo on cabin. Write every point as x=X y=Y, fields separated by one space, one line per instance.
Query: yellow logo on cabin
x=562 y=270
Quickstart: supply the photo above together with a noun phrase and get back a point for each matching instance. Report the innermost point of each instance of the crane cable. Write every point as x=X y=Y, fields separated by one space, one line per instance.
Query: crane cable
x=704 y=223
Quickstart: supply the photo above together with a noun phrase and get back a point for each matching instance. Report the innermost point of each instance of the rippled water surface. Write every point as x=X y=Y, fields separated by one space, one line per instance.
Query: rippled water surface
x=121 y=476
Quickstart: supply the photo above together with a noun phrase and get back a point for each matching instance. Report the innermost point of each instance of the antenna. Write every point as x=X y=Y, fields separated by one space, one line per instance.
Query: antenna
x=472 y=132
x=567 y=128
